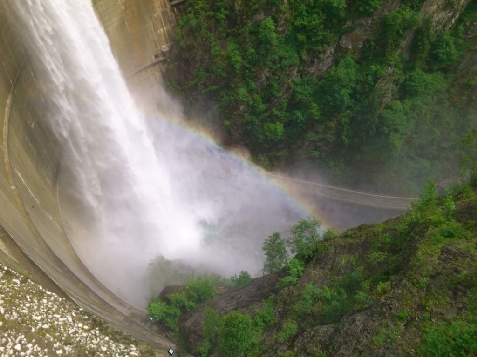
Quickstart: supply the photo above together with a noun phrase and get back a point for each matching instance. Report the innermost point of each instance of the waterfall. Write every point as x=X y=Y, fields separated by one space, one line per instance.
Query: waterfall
x=133 y=187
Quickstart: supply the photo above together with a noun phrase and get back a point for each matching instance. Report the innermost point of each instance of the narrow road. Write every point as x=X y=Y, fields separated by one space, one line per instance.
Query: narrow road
x=310 y=188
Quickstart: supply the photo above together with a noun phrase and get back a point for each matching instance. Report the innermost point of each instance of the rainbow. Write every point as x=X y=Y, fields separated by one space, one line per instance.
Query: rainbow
x=282 y=188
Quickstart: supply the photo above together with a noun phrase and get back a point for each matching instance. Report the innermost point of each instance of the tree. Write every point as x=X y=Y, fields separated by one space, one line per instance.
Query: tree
x=275 y=253
x=396 y=23
x=390 y=131
x=444 y=51
x=305 y=239
x=212 y=322
x=424 y=85
x=337 y=85
x=304 y=244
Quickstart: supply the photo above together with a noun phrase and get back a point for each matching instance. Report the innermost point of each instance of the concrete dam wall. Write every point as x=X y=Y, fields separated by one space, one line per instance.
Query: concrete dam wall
x=32 y=235
x=140 y=35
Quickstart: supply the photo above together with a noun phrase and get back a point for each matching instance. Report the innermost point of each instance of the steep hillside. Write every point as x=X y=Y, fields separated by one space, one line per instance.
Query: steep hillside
x=407 y=286
x=372 y=92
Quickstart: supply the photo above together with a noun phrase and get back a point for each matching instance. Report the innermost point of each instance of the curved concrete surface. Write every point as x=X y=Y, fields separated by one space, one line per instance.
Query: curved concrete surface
x=33 y=240
x=140 y=34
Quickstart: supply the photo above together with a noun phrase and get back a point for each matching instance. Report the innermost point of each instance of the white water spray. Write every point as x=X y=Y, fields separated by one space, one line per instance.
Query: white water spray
x=132 y=187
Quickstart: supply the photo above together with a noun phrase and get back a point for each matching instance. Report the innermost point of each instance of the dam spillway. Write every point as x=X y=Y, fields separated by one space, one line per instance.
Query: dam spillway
x=33 y=238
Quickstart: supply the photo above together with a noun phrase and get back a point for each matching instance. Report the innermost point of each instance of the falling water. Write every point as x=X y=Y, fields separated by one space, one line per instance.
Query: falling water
x=133 y=187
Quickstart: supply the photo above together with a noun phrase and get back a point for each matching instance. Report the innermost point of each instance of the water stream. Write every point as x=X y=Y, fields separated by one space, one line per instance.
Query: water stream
x=133 y=187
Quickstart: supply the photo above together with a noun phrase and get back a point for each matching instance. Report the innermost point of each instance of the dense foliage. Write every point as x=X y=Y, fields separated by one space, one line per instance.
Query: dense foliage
x=405 y=252
x=386 y=110
x=394 y=109
x=235 y=334
x=198 y=290
x=303 y=245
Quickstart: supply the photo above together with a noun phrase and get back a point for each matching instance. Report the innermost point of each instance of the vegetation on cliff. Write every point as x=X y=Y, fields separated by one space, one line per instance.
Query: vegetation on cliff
x=403 y=287
x=376 y=90
x=369 y=90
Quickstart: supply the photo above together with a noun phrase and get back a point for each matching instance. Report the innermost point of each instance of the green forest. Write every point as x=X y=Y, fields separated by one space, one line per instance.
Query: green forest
x=365 y=91
x=370 y=91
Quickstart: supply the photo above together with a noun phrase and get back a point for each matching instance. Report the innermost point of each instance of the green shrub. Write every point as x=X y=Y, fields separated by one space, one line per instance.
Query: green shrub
x=242 y=280
x=305 y=243
x=421 y=44
x=403 y=315
x=421 y=84
x=336 y=88
x=265 y=317
x=309 y=298
x=236 y=334
x=444 y=51
x=330 y=234
x=200 y=289
x=387 y=336
x=362 y=298
x=289 y=330
x=367 y=7
x=396 y=23
x=312 y=22
x=423 y=209
x=454 y=339
x=161 y=312
x=212 y=323
x=453 y=229
x=335 y=305
x=181 y=301
x=383 y=287
x=295 y=269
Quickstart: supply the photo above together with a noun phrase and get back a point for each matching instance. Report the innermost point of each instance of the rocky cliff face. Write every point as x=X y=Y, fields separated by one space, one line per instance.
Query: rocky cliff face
x=236 y=300
x=442 y=15
x=339 y=88
x=377 y=290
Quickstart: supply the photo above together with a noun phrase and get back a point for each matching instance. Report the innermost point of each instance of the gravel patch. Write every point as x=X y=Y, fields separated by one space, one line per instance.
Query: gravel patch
x=36 y=322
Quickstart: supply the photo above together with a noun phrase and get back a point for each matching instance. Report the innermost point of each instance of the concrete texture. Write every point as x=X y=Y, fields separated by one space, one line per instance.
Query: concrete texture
x=141 y=34
x=32 y=238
